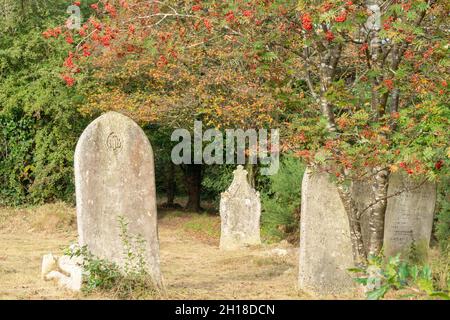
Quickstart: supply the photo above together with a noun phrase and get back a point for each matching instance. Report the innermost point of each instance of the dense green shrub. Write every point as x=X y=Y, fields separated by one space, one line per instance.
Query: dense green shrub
x=281 y=201
x=16 y=147
x=39 y=120
x=159 y=137
x=216 y=179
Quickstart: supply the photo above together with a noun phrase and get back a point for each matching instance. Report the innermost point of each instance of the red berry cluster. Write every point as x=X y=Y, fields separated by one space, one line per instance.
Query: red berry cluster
x=307 y=22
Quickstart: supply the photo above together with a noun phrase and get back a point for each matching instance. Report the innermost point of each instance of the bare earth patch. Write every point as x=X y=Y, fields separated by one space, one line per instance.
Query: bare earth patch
x=192 y=264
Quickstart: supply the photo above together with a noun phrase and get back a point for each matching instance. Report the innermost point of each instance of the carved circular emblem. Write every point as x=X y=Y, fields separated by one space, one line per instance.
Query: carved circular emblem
x=113 y=142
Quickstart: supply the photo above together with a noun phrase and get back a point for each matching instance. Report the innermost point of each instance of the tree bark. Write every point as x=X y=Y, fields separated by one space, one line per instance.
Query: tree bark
x=359 y=254
x=327 y=71
x=193 y=179
x=171 y=185
x=377 y=213
x=251 y=176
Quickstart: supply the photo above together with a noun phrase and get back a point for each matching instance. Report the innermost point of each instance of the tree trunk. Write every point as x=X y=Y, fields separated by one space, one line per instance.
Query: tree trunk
x=251 y=177
x=193 y=178
x=171 y=185
x=359 y=254
x=377 y=213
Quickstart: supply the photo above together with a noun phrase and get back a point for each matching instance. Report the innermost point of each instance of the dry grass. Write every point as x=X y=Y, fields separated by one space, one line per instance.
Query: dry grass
x=26 y=234
x=192 y=264
x=440 y=264
x=49 y=218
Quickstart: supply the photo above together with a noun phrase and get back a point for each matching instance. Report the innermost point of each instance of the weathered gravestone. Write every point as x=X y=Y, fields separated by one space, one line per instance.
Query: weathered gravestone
x=115 y=180
x=240 y=211
x=325 y=246
x=409 y=216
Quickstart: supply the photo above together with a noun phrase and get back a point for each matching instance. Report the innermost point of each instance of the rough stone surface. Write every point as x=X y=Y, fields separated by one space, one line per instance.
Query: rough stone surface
x=240 y=212
x=115 y=178
x=66 y=270
x=68 y=282
x=409 y=216
x=325 y=246
x=48 y=264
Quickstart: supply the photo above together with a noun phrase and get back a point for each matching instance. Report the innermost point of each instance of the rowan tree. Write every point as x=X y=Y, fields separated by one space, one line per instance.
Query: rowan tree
x=360 y=86
x=165 y=77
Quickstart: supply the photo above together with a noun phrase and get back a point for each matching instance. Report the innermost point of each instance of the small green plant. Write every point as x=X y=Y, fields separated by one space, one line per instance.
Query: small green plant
x=99 y=274
x=133 y=250
x=130 y=280
x=381 y=275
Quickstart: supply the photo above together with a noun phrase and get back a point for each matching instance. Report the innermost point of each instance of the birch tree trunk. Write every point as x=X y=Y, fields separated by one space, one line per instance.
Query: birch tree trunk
x=359 y=254
x=378 y=211
x=378 y=104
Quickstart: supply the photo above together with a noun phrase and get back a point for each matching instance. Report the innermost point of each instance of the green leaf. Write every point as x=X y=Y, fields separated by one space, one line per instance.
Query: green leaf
x=440 y=294
x=362 y=281
x=403 y=273
x=414 y=272
x=428 y=153
x=425 y=285
x=269 y=56
x=355 y=270
x=377 y=294
x=426 y=273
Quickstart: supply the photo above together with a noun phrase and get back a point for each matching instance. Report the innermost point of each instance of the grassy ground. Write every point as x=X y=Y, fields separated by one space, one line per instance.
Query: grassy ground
x=25 y=236
x=192 y=264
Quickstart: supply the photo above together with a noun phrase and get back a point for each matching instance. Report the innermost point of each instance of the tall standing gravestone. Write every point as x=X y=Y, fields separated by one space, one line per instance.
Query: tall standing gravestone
x=240 y=212
x=325 y=246
x=409 y=216
x=115 y=181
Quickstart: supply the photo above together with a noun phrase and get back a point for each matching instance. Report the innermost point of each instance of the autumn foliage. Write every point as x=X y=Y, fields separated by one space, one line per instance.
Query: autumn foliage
x=363 y=96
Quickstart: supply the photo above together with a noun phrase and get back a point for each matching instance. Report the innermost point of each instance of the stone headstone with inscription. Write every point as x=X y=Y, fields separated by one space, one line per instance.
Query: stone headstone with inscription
x=409 y=216
x=325 y=246
x=240 y=211
x=115 y=181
